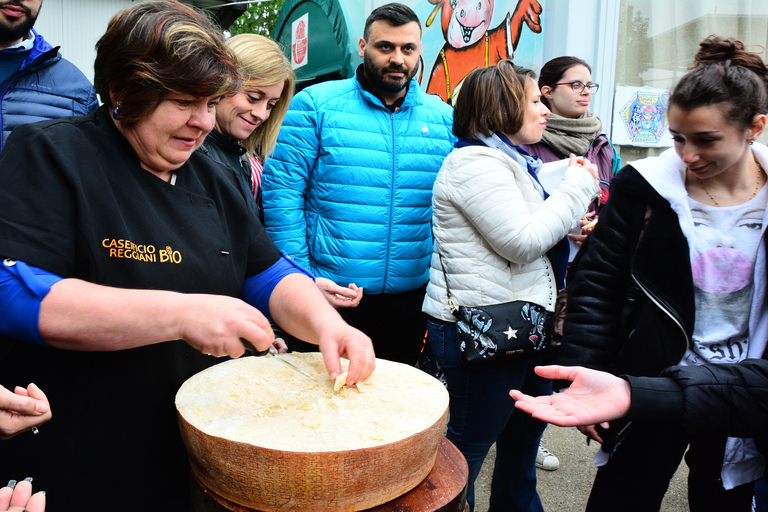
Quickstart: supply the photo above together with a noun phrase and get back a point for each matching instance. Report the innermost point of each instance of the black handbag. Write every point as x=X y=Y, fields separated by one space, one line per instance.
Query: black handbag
x=499 y=334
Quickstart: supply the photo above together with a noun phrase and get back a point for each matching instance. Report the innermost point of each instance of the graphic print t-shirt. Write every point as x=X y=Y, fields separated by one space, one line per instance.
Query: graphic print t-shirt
x=724 y=248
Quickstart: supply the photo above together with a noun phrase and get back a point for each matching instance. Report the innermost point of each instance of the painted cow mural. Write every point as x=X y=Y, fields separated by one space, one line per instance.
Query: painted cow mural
x=470 y=43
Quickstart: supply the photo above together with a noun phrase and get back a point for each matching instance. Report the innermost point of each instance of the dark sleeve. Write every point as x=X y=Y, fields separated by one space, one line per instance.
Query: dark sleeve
x=598 y=283
x=262 y=251
x=713 y=399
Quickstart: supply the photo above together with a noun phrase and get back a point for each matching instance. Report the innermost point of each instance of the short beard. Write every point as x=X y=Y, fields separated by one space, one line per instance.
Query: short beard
x=375 y=76
x=12 y=33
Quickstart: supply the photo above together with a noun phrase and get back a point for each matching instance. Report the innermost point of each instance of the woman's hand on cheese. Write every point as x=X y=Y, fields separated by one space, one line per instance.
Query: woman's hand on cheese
x=214 y=324
x=343 y=340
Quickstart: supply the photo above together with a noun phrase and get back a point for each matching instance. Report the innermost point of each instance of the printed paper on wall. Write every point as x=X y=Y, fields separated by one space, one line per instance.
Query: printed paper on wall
x=640 y=117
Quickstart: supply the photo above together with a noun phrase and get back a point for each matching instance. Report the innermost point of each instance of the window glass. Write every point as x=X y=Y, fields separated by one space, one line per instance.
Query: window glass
x=659 y=38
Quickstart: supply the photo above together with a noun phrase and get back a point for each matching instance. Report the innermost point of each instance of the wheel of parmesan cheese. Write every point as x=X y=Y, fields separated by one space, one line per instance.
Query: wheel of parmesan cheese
x=264 y=436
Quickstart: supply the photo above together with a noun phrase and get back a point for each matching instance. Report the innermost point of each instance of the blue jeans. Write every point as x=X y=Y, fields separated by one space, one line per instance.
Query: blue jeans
x=483 y=413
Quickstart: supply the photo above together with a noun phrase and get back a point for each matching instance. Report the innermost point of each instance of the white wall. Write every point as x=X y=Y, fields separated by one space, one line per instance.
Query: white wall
x=587 y=29
x=77 y=27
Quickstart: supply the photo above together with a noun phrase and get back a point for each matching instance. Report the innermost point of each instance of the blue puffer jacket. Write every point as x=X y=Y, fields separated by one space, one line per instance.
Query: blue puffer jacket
x=45 y=87
x=348 y=189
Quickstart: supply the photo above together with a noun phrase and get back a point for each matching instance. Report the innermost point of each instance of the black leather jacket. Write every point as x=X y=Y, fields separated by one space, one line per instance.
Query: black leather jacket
x=229 y=153
x=631 y=301
x=713 y=399
x=233 y=156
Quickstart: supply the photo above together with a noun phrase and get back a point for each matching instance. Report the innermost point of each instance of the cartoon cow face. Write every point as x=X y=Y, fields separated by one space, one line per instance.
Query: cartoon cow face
x=465 y=21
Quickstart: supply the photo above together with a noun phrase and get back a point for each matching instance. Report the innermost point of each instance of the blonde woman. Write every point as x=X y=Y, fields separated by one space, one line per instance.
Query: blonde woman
x=247 y=124
x=248 y=121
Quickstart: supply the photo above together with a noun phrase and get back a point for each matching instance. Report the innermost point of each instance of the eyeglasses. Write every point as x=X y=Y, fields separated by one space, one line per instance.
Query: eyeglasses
x=580 y=86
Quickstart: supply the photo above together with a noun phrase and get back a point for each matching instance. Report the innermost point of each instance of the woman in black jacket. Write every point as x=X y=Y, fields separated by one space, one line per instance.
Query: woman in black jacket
x=674 y=274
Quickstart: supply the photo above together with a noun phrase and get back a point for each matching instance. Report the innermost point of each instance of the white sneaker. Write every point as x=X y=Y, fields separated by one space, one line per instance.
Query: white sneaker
x=545 y=460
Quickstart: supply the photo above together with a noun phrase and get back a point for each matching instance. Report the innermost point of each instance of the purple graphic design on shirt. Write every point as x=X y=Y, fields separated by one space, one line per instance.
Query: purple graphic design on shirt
x=722 y=270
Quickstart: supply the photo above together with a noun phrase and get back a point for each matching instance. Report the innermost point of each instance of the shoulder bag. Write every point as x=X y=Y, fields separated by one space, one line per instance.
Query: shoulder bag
x=499 y=334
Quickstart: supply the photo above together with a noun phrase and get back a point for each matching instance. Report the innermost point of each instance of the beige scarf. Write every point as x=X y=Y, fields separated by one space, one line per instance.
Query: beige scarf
x=566 y=135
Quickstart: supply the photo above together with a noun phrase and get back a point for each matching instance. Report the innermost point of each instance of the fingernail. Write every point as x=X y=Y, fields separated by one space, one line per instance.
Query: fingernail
x=11 y=484
x=41 y=492
x=28 y=479
x=41 y=408
x=333 y=376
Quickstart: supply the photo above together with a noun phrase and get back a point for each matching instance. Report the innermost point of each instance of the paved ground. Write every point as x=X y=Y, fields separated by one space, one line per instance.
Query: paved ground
x=567 y=489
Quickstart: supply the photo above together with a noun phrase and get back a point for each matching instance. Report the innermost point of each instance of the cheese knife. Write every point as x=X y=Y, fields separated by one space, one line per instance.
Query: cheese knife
x=271 y=352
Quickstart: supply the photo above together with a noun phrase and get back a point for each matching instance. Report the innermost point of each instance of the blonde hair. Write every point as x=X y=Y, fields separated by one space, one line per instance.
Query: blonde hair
x=262 y=62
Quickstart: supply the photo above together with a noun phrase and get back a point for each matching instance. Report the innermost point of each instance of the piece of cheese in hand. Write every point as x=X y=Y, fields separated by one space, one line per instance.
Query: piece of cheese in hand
x=586 y=228
x=340 y=381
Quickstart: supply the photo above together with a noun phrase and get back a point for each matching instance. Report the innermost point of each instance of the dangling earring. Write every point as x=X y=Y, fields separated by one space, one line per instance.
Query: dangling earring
x=116 y=112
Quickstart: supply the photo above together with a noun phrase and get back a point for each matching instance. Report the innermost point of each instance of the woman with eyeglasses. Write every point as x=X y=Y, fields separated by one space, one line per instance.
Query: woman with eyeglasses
x=567 y=89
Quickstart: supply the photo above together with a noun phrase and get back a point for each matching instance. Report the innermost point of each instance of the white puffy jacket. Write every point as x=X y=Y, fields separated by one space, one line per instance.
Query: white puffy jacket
x=493 y=230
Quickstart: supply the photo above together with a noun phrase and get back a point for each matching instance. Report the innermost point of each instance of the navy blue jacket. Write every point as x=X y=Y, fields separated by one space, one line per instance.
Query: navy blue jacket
x=46 y=86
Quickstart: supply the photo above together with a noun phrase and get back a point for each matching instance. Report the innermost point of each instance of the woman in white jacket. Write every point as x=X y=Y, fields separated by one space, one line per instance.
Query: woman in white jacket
x=494 y=226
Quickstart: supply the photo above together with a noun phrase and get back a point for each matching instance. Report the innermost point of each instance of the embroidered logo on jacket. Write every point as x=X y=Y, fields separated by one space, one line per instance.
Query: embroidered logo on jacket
x=119 y=248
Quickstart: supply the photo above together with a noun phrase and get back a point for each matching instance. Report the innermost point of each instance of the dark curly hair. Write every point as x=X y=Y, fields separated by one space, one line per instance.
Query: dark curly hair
x=724 y=73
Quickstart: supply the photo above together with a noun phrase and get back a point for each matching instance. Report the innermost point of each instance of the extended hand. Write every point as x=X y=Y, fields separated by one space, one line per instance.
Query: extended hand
x=342 y=340
x=532 y=15
x=593 y=398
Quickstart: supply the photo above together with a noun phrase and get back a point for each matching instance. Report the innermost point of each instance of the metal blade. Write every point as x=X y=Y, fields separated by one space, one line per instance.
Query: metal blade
x=293 y=366
x=271 y=352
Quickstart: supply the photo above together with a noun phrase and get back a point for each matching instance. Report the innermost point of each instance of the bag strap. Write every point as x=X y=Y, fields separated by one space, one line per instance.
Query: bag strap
x=451 y=303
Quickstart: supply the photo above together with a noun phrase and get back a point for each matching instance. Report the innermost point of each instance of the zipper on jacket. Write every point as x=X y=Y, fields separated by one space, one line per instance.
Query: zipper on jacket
x=665 y=310
x=391 y=206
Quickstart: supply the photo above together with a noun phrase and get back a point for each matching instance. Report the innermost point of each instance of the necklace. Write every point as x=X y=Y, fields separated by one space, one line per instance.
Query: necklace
x=757 y=185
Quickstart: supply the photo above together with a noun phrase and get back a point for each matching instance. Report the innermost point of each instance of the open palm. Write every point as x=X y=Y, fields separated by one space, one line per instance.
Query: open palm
x=594 y=397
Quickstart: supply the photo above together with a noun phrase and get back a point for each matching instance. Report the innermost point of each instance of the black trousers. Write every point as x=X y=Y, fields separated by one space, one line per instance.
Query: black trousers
x=638 y=474
x=393 y=321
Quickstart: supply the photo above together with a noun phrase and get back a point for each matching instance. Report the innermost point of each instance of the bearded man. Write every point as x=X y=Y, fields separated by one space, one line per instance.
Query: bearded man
x=348 y=190
x=36 y=83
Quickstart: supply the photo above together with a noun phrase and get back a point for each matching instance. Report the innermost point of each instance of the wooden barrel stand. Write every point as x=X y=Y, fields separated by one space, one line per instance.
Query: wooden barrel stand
x=444 y=489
